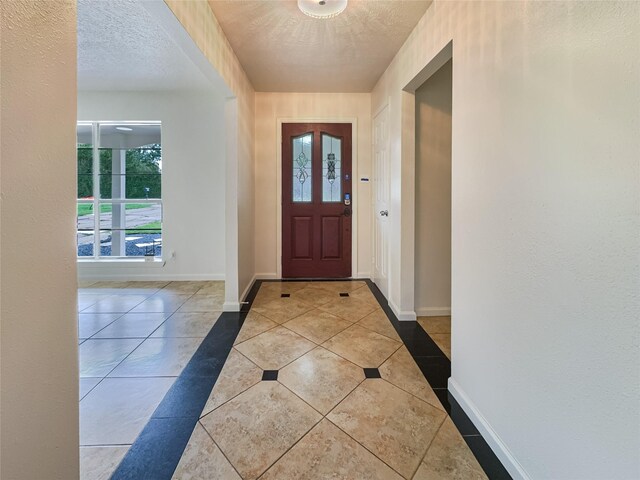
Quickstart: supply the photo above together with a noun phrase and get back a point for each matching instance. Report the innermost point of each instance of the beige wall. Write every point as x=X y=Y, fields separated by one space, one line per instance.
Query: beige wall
x=198 y=20
x=545 y=224
x=291 y=107
x=433 y=195
x=38 y=329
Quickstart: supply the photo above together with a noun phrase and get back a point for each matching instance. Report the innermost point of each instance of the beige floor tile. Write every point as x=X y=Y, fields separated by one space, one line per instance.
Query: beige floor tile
x=435 y=324
x=401 y=370
x=85 y=300
x=315 y=296
x=116 y=304
x=161 y=303
x=364 y=294
x=326 y=452
x=87 y=384
x=195 y=325
x=132 y=325
x=254 y=325
x=91 y=323
x=144 y=287
x=275 y=348
x=183 y=287
x=110 y=284
x=157 y=357
x=98 y=357
x=281 y=310
x=85 y=283
x=255 y=428
x=212 y=288
x=202 y=459
x=341 y=286
x=282 y=287
x=116 y=411
x=390 y=423
x=203 y=303
x=349 y=308
x=321 y=378
x=237 y=375
x=362 y=346
x=317 y=326
x=98 y=463
x=449 y=458
x=443 y=340
x=380 y=323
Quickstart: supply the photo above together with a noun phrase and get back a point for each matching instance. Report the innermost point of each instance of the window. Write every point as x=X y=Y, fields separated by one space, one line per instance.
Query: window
x=119 y=190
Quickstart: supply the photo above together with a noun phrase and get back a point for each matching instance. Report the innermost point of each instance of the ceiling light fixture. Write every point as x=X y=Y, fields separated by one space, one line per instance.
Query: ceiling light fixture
x=124 y=129
x=322 y=8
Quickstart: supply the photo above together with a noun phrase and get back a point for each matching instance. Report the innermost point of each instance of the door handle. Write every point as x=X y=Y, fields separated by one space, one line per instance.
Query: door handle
x=347 y=212
x=384 y=213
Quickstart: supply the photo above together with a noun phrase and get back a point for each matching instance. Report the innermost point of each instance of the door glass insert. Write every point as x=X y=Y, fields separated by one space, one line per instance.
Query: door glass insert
x=302 y=168
x=331 y=169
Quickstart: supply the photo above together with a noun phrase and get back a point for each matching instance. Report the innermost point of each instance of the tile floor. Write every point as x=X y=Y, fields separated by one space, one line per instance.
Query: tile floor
x=317 y=385
x=135 y=339
x=439 y=329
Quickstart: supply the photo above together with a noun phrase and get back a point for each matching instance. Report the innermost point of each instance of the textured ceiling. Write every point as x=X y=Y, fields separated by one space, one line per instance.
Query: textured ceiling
x=122 y=47
x=283 y=50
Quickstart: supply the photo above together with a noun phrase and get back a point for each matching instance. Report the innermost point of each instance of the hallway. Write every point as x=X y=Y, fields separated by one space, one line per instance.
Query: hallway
x=316 y=381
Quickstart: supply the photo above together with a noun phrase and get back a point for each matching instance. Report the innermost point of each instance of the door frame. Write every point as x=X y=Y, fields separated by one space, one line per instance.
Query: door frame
x=355 y=194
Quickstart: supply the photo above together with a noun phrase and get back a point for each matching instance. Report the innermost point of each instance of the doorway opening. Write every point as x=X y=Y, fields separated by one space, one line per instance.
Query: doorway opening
x=317 y=199
x=433 y=206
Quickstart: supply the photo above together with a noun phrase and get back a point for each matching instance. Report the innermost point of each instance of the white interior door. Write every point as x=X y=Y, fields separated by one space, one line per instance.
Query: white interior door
x=381 y=200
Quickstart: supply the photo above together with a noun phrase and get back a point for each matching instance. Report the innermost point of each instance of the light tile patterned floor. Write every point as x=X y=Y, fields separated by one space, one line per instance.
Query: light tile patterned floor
x=133 y=345
x=322 y=418
x=439 y=329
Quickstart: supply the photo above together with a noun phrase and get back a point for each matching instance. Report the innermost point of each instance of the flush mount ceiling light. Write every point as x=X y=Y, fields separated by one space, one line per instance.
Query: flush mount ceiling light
x=124 y=129
x=322 y=8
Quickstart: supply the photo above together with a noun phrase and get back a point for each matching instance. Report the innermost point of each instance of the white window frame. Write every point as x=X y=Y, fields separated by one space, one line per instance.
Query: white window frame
x=97 y=201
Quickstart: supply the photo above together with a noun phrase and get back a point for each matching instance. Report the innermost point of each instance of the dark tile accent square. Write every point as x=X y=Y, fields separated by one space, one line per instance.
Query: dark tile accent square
x=285 y=295
x=371 y=373
x=344 y=294
x=270 y=375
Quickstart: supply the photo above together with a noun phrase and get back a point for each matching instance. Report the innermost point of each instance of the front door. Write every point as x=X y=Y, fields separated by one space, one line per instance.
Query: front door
x=316 y=200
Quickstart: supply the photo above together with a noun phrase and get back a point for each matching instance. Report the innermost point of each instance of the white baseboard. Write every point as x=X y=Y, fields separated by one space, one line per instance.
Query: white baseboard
x=274 y=276
x=231 y=307
x=160 y=277
x=243 y=297
x=433 y=311
x=491 y=437
x=402 y=316
x=266 y=276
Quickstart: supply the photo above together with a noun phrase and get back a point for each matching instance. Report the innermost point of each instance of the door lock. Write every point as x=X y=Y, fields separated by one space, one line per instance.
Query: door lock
x=384 y=213
x=347 y=212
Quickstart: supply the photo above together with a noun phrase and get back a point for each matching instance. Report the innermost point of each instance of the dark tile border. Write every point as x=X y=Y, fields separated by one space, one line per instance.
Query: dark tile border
x=436 y=368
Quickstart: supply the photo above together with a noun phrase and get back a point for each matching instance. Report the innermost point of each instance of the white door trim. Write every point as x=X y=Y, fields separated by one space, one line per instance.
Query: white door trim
x=354 y=184
x=383 y=288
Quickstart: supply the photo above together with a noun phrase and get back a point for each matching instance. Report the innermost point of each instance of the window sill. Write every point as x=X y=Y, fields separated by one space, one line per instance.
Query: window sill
x=124 y=262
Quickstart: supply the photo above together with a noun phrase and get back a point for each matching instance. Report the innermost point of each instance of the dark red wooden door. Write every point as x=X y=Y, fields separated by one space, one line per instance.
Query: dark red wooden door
x=316 y=200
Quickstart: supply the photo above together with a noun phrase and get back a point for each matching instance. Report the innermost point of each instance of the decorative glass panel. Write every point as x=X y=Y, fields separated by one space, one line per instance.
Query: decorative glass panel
x=331 y=169
x=302 y=168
